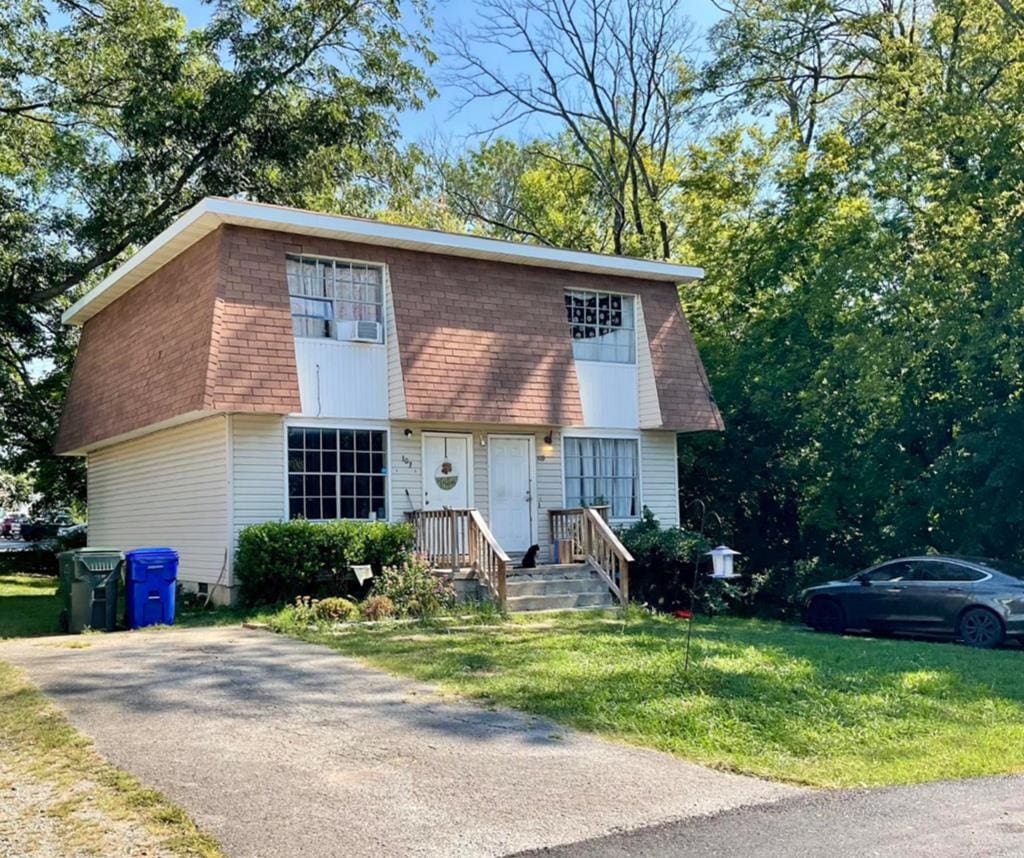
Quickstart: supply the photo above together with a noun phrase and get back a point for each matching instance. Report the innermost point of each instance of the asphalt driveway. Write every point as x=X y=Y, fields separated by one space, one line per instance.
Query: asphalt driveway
x=282 y=748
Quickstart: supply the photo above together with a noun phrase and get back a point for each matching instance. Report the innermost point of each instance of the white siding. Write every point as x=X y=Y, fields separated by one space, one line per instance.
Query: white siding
x=339 y=379
x=647 y=389
x=608 y=394
x=396 y=382
x=659 y=476
x=169 y=488
x=407 y=471
x=258 y=469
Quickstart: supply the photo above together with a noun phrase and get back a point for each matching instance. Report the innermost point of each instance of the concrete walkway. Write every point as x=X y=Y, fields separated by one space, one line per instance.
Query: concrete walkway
x=282 y=748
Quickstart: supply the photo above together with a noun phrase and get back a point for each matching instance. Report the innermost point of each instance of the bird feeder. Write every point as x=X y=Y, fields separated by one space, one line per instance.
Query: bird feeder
x=721 y=560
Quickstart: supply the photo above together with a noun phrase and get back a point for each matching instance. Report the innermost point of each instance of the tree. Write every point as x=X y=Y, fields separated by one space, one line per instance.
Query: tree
x=610 y=77
x=867 y=354
x=114 y=119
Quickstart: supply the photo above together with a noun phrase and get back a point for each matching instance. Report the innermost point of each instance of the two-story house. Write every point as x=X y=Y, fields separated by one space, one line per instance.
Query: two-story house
x=256 y=363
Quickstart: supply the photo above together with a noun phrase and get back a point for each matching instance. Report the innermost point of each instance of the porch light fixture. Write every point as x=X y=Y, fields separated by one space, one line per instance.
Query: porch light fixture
x=407 y=433
x=548 y=439
x=721 y=560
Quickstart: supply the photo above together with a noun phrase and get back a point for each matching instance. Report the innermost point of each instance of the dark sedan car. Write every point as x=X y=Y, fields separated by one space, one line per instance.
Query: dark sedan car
x=981 y=602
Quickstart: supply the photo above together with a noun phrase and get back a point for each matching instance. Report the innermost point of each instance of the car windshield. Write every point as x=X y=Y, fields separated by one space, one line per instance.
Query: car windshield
x=1007 y=567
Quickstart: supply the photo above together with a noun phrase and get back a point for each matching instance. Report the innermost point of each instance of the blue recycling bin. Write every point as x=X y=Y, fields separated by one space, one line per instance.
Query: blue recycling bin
x=150 y=578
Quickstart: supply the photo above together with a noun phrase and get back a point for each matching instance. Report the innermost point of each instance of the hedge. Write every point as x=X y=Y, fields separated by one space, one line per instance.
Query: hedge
x=279 y=561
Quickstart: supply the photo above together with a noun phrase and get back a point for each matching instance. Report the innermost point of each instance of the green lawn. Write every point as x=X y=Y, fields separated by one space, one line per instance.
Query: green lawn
x=28 y=606
x=763 y=698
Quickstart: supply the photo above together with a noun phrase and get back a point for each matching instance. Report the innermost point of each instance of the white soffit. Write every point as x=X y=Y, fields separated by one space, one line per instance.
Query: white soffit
x=204 y=217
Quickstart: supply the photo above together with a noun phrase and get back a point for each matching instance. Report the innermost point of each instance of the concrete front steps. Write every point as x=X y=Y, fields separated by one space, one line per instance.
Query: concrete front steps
x=561 y=587
x=555 y=587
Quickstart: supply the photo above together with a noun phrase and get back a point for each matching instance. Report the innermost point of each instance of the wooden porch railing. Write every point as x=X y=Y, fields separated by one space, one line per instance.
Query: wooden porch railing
x=566 y=525
x=593 y=540
x=458 y=538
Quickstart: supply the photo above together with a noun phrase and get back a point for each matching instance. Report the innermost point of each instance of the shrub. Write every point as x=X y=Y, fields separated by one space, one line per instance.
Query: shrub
x=333 y=609
x=279 y=561
x=775 y=593
x=377 y=608
x=40 y=558
x=28 y=561
x=662 y=571
x=414 y=589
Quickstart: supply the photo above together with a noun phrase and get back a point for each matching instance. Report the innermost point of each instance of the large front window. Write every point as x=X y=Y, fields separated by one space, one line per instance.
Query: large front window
x=602 y=326
x=603 y=471
x=336 y=299
x=336 y=473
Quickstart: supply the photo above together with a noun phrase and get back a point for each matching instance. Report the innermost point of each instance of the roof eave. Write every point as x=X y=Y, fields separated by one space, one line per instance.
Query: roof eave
x=212 y=212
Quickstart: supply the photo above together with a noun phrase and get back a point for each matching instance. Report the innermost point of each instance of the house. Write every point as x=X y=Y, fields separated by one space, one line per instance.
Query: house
x=255 y=362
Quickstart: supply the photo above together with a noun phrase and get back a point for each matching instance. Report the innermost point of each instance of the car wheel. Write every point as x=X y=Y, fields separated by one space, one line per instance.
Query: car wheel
x=826 y=615
x=979 y=627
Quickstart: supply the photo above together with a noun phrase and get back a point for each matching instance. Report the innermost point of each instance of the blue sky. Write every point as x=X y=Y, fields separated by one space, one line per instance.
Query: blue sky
x=441 y=117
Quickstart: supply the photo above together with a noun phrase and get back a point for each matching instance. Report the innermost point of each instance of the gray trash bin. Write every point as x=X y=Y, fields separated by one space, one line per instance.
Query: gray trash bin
x=90 y=580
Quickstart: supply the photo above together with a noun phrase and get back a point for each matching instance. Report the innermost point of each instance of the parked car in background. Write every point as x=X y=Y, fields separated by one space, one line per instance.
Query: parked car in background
x=976 y=600
x=10 y=526
x=47 y=526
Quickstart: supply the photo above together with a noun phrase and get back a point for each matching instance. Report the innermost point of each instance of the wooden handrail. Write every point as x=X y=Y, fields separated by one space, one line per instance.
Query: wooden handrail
x=442 y=536
x=566 y=524
x=593 y=540
x=455 y=538
x=487 y=558
x=607 y=554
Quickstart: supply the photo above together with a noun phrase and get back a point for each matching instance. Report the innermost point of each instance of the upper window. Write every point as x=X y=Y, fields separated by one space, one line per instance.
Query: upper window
x=336 y=473
x=603 y=471
x=335 y=299
x=602 y=326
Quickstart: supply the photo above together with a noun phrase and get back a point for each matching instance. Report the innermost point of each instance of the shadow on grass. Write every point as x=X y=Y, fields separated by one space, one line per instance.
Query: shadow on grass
x=759 y=697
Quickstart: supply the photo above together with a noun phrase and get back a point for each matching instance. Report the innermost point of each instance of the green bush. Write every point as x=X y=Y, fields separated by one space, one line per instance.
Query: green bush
x=377 y=608
x=280 y=561
x=775 y=594
x=40 y=558
x=414 y=589
x=333 y=609
x=662 y=572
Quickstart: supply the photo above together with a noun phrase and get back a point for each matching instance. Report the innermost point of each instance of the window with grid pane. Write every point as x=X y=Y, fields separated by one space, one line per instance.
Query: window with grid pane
x=603 y=471
x=602 y=326
x=336 y=473
x=330 y=298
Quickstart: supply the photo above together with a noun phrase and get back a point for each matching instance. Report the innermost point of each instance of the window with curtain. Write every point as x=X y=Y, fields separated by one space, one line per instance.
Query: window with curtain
x=603 y=471
x=335 y=299
x=602 y=326
x=336 y=473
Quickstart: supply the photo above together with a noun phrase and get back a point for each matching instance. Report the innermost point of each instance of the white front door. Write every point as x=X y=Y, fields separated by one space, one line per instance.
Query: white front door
x=446 y=471
x=511 y=490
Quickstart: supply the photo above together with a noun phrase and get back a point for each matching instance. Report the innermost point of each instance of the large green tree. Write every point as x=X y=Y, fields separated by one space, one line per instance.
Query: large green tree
x=115 y=118
x=867 y=352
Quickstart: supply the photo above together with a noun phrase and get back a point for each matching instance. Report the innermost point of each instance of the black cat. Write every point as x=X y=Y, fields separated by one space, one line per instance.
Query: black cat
x=530 y=558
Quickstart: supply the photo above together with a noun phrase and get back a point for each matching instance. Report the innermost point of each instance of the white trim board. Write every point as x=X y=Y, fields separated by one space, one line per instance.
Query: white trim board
x=212 y=212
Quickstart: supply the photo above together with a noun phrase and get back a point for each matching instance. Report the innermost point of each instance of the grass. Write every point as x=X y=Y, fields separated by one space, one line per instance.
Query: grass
x=762 y=698
x=29 y=606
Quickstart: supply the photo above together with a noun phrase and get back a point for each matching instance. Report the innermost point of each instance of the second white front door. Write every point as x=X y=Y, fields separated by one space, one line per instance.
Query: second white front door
x=511 y=491
x=446 y=471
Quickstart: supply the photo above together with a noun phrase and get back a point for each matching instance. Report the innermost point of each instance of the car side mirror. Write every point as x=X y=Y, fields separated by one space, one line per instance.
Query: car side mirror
x=865 y=579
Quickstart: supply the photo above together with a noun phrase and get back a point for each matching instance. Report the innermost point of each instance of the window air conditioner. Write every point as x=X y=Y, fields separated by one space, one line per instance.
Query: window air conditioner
x=359 y=331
